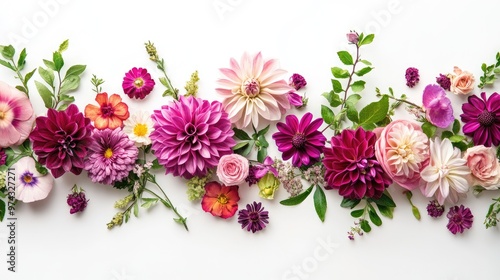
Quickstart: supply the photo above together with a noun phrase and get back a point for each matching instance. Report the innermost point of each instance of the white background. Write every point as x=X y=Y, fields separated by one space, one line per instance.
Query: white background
x=194 y=35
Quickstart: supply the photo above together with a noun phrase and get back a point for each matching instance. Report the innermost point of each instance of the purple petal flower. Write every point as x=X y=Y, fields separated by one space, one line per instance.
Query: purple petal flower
x=481 y=118
x=297 y=81
x=254 y=218
x=460 y=219
x=295 y=99
x=439 y=110
x=412 y=77
x=443 y=81
x=137 y=83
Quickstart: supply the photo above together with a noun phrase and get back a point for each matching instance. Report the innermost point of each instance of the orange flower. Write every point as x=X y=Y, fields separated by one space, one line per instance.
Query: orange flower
x=109 y=114
x=220 y=200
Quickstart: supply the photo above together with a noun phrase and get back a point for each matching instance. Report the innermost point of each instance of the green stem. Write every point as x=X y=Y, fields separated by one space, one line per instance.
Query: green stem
x=20 y=76
x=170 y=87
x=168 y=204
x=404 y=101
x=56 y=96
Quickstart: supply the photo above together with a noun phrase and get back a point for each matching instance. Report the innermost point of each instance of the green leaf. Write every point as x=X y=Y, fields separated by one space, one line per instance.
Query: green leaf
x=415 y=212
x=58 y=61
x=353 y=99
x=240 y=145
x=41 y=169
x=337 y=86
x=429 y=129
x=456 y=126
x=2 y=210
x=47 y=75
x=297 y=199
x=352 y=114
x=8 y=52
x=363 y=71
x=7 y=64
x=136 y=209
x=245 y=151
x=446 y=134
x=49 y=64
x=358 y=86
x=357 y=213
x=340 y=73
x=457 y=138
x=263 y=131
x=365 y=62
x=22 y=88
x=156 y=164
x=29 y=75
x=386 y=211
x=349 y=203
x=385 y=200
x=75 y=70
x=45 y=93
x=261 y=155
x=63 y=106
x=320 y=203
x=483 y=67
x=148 y=202
x=241 y=134
x=70 y=83
x=22 y=59
x=375 y=111
x=365 y=226
x=345 y=57
x=327 y=114
x=333 y=98
x=66 y=98
x=63 y=46
x=374 y=217
x=163 y=81
x=367 y=40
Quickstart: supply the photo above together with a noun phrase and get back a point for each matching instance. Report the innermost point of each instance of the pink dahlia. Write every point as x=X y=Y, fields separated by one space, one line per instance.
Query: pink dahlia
x=191 y=135
x=351 y=166
x=111 y=157
x=481 y=119
x=253 y=90
x=300 y=141
x=16 y=116
x=137 y=83
x=61 y=139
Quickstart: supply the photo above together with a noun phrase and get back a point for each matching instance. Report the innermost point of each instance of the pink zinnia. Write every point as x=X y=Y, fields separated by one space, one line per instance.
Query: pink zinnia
x=191 y=135
x=60 y=140
x=481 y=119
x=253 y=90
x=16 y=116
x=351 y=166
x=137 y=83
x=111 y=157
x=300 y=141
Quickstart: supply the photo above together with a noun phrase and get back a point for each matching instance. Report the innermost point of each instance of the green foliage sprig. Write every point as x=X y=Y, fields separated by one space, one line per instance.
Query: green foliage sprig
x=8 y=52
x=489 y=72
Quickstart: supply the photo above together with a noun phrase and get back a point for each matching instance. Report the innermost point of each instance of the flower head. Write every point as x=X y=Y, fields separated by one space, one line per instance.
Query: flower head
x=138 y=128
x=297 y=81
x=300 y=141
x=402 y=149
x=137 y=83
x=460 y=218
x=31 y=185
x=77 y=200
x=484 y=166
x=268 y=185
x=61 y=140
x=220 y=200
x=446 y=175
x=295 y=99
x=254 y=218
x=110 y=113
x=462 y=82
x=352 y=37
x=443 y=81
x=191 y=135
x=412 y=76
x=16 y=116
x=351 y=165
x=434 y=209
x=111 y=156
x=259 y=170
x=438 y=108
x=481 y=118
x=252 y=91
x=232 y=169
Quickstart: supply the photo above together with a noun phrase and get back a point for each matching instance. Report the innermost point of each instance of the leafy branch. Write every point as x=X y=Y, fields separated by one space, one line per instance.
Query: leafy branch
x=8 y=53
x=160 y=64
x=247 y=143
x=489 y=72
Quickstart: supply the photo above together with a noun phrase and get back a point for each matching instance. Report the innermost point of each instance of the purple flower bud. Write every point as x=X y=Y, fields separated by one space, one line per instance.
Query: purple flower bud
x=412 y=76
x=295 y=99
x=443 y=81
x=297 y=81
x=77 y=201
x=352 y=37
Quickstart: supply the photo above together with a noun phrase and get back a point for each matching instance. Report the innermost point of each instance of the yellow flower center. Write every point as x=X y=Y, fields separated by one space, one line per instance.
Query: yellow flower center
x=2 y=115
x=108 y=153
x=140 y=129
x=139 y=82
x=222 y=199
x=27 y=178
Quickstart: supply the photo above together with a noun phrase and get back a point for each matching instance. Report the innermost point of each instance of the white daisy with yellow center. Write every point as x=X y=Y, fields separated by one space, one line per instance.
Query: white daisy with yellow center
x=138 y=128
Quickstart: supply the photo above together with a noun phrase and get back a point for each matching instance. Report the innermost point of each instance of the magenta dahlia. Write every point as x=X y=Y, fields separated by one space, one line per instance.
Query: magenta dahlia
x=300 y=141
x=351 y=165
x=111 y=156
x=137 y=83
x=60 y=140
x=481 y=119
x=191 y=135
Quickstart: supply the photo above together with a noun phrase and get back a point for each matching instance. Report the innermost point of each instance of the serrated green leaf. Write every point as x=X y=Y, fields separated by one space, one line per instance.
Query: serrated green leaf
x=3 y=210
x=327 y=114
x=49 y=64
x=66 y=98
x=241 y=134
x=340 y=73
x=70 y=83
x=349 y=203
x=297 y=199
x=337 y=86
x=47 y=75
x=358 y=86
x=365 y=62
x=357 y=213
x=75 y=70
x=429 y=129
x=58 y=61
x=345 y=57
x=22 y=59
x=363 y=71
x=386 y=211
x=365 y=226
x=45 y=93
x=374 y=112
x=64 y=46
x=333 y=98
x=8 y=52
x=374 y=217
x=320 y=203
x=367 y=40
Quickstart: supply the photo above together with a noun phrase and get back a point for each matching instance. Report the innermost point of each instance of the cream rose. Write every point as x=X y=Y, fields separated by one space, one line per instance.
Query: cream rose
x=232 y=169
x=484 y=166
x=462 y=82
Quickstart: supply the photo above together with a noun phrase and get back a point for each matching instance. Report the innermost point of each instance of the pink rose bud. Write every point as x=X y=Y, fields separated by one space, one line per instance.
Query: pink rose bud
x=353 y=37
x=232 y=169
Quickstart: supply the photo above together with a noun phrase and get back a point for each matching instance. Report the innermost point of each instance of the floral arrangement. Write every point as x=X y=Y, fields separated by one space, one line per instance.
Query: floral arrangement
x=219 y=146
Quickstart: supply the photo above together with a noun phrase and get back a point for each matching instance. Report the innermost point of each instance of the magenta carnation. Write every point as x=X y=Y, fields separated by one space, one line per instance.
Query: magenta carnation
x=137 y=83
x=111 y=157
x=60 y=140
x=481 y=119
x=191 y=135
x=438 y=108
x=300 y=141
x=351 y=166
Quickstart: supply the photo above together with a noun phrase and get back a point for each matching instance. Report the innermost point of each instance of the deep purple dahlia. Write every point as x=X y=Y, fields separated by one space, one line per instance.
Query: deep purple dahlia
x=459 y=219
x=254 y=218
x=351 y=165
x=111 y=156
x=60 y=140
x=190 y=136
x=481 y=119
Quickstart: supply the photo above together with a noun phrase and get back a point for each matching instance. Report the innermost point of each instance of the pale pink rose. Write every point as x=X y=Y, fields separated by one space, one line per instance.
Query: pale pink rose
x=402 y=149
x=484 y=166
x=462 y=82
x=232 y=169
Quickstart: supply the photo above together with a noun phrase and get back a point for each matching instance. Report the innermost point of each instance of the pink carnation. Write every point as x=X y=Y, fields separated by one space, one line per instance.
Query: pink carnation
x=232 y=169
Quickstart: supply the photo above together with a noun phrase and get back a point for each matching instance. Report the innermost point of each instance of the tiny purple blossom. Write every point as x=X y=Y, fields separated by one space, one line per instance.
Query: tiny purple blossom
x=297 y=81
x=460 y=219
x=434 y=209
x=439 y=110
x=444 y=81
x=412 y=76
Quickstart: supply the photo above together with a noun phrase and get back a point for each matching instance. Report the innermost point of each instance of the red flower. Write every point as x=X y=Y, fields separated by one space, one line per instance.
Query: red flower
x=109 y=114
x=220 y=200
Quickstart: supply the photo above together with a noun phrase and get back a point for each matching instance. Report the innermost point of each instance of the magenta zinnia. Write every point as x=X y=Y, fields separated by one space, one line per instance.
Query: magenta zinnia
x=351 y=166
x=481 y=119
x=191 y=135
x=460 y=218
x=60 y=140
x=300 y=141
x=137 y=83
x=253 y=90
x=111 y=156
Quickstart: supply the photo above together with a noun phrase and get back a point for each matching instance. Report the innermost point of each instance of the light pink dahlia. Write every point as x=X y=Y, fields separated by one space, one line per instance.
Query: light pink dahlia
x=254 y=90
x=191 y=135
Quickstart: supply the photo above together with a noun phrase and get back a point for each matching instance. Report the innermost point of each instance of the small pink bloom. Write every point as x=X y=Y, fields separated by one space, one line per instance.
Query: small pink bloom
x=31 y=185
x=232 y=169
x=462 y=82
x=352 y=37
x=484 y=166
x=438 y=108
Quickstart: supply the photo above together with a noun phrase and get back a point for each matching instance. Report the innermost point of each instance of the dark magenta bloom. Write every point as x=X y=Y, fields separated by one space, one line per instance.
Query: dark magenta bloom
x=412 y=76
x=481 y=118
x=438 y=108
x=60 y=140
x=3 y=157
x=259 y=170
x=434 y=209
x=443 y=81
x=77 y=201
x=297 y=81
x=254 y=218
x=351 y=165
x=295 y=99
x=137 y=83
x=460 y=219
x=300 y=141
